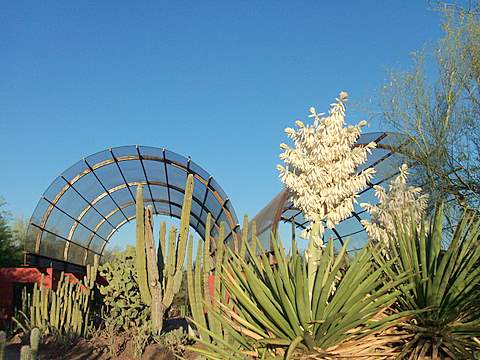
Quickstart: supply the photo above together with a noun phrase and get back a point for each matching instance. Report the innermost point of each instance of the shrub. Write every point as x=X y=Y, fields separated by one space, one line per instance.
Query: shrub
x=443 y=288
x=123 y=307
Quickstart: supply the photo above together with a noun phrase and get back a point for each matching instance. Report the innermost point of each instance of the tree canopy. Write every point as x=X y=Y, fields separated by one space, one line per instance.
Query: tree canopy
x=436 y=105
x=10 y=240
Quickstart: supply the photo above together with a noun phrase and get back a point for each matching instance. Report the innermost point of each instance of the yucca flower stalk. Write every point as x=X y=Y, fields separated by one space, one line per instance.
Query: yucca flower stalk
x=321 y=174
x=400 y=203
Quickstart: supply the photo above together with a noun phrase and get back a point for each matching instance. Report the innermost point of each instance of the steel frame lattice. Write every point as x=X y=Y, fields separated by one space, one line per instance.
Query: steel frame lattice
x=87 y=204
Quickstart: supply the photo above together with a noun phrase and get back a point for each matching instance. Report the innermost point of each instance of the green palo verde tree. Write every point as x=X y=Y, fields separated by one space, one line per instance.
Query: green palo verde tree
x=160 y=269
x=444 y=290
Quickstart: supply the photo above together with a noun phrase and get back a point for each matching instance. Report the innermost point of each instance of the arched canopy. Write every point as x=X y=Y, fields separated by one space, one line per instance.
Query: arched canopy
x=385 y=161
x=86 y=205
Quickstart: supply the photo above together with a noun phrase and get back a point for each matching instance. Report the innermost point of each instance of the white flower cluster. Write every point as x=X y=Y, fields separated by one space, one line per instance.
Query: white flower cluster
x=321 y=169
x=401 y=203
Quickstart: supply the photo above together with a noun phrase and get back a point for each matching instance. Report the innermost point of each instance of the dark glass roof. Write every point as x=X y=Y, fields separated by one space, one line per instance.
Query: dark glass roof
x=86 y=205
x=386 y=163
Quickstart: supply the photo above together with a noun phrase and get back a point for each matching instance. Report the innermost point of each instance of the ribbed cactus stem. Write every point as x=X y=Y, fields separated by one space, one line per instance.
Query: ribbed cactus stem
x=141 y=260
x=206 y=261
x=219 y=259
x=243 y=245
x=157 y=306
x=34 y=342
x=3 y=341
x=185 y=223
x=253 y=242
x=25 y=353
x=161 y=252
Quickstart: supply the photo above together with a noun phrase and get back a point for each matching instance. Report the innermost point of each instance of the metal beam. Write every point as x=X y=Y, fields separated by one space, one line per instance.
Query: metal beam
x=122 y=175
x=166 y=178
x=146 y=177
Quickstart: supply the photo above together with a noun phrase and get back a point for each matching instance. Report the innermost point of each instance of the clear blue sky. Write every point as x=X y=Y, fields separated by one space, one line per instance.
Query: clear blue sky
x=216 y=80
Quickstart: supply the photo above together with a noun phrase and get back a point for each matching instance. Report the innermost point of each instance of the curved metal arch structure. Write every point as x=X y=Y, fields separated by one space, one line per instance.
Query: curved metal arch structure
x=86 y=205
x=383 y=158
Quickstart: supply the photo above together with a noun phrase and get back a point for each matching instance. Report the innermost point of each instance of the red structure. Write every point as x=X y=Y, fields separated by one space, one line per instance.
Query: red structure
x=12 y=280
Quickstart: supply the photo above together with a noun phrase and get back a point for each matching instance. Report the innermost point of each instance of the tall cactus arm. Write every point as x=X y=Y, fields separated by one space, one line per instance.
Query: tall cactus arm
x=184 y=223
x=206 y=261
x=243 y=245
x=161 y=251
x=140 y=259
x=170 y=269
x=219 y=259
x=157 y=307
x=254 y=236
x=193 y=296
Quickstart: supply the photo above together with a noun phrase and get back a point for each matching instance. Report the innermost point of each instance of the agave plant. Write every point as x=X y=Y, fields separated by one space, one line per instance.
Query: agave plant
x=270 y=307
x=444 y=288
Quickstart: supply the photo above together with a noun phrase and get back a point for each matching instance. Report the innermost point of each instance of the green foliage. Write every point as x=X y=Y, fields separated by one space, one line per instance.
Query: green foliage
x=160 y=270
x=220 y=339
x=10 y=247
x=444 y=288
x=174 y=340
x=272 y=312
x=64 y=310
x=436 y=106
x=123 y=306
x=141 y=338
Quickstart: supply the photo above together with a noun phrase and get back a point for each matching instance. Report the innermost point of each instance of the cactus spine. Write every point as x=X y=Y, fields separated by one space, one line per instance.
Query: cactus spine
x=34 y=342
x=160 y=276
x=3 y=341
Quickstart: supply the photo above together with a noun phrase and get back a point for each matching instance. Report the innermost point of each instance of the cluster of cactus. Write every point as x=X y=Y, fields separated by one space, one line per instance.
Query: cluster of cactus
x=207 y=293
x=123 y=306
x=160 y=270
x=30 y=352
x=65 y=309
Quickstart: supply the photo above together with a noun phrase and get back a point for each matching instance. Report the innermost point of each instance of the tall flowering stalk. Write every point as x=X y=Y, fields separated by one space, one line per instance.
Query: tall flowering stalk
x=321 y=173
x=400 y=203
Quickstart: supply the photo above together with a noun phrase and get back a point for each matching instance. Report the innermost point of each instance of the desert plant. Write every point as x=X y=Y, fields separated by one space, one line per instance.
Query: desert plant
x=25 y=353
x=270 y=311
x=65 y=309
x=400 y=203
x=141 y=338
x=3 y=341
x=321 y=173
x=34 y=342
x=160 y=270
x=174 y=340
x=444 y=287
x=123 y=306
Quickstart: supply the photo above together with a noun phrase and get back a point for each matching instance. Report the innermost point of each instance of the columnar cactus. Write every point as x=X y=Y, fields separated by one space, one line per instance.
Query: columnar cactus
x=34 y=342
x=65 y=309
x=207 y=311
x=160 y=273
x=25 y=353
x=3 y=341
